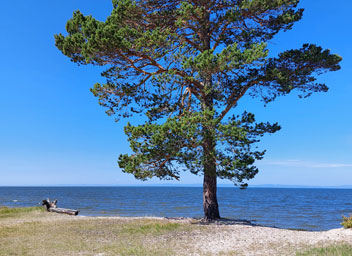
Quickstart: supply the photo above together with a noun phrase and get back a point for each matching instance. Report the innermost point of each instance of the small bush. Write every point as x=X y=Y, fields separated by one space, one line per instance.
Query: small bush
x=347 y=221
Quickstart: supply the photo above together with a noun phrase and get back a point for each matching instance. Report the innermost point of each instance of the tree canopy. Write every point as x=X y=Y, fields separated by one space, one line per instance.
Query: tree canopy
x=185 y=65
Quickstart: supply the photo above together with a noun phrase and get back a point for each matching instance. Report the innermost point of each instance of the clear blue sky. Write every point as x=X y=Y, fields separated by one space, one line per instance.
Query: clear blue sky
x=54 y=132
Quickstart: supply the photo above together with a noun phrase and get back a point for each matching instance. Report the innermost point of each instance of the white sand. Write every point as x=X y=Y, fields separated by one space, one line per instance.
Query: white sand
x=255 y=240
x=229 y=237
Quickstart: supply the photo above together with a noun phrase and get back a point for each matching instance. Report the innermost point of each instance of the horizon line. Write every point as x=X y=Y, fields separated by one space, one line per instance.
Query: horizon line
x=182 y=185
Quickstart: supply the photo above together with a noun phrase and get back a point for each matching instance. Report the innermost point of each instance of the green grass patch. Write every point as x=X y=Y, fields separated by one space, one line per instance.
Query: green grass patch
x=75 y=236
x=138 y=250
x=335 y=250
x=6 y=212
x=152 y=228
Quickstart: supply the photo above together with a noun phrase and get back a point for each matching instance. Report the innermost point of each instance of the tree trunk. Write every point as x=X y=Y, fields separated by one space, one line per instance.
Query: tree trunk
x=64 y=211
x=210 y=202
x=52 y=207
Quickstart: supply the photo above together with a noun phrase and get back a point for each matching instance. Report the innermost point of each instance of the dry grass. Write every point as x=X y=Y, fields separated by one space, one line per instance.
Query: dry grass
x=34 y=232
x=333 y=250
x=347 y=221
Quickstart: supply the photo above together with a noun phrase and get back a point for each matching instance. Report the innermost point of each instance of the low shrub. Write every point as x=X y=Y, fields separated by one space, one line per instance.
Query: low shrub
x=347 y=221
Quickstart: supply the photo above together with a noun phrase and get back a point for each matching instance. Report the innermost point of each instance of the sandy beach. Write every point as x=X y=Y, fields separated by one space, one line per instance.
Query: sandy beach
x=231 y=237
x=38 y=232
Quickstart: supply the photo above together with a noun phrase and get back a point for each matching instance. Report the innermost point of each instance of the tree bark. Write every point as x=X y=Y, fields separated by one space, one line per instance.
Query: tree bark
x=64 y=211
x=52 y=207
x=210 y=202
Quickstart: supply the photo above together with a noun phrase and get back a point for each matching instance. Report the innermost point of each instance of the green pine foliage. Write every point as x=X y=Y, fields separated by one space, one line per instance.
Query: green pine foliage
x=185 y=65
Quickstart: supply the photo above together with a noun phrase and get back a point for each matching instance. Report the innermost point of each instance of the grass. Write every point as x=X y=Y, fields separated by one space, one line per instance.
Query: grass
x=55 y=234
x=335 y=250
x=6 y=212
x=85 y=238
x=33 y=231
x=154 y=228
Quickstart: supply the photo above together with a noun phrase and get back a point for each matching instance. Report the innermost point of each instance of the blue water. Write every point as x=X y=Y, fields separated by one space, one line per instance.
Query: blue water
x=310 y=209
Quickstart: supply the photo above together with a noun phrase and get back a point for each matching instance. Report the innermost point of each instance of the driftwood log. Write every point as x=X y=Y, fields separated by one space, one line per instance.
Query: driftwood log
x=52 y=207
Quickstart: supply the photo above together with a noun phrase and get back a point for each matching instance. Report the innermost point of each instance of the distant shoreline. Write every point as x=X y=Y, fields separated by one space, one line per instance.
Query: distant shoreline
x=180 y=186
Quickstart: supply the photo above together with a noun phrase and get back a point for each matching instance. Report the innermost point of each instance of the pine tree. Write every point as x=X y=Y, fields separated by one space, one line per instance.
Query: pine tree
x=185 y=65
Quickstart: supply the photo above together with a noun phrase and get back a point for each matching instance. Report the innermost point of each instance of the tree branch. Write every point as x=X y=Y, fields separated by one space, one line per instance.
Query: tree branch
x=231 y=102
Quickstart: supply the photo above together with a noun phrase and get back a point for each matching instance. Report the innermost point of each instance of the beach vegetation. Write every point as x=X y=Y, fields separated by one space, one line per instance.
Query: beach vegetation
x=36 y=232
x=33 y=232
x=347 y=221
x=333 y=250
x=183 y=67
x=6 y=212
x=154 y=228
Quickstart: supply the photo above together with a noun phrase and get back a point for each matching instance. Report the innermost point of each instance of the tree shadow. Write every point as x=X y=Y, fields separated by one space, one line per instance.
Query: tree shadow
x=225 y=221
x=230 y=222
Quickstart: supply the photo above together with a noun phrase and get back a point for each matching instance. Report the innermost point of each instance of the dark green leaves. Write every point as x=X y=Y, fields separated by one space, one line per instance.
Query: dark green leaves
x=162 y=150
x=236 y=141
x=296 y=69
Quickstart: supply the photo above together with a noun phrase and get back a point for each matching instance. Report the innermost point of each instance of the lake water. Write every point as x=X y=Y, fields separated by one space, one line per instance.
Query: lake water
x=310 y=209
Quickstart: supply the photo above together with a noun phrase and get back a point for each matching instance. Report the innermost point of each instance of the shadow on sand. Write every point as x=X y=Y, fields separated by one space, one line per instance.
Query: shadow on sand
x=229 y=222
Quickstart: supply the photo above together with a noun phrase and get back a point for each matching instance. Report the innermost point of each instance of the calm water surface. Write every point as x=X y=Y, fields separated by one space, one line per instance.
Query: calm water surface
x=311 y=209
